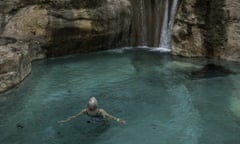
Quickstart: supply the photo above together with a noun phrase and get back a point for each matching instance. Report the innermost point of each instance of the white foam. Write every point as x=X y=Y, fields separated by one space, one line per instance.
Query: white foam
x=119 y=50
x=123 y=49
x=161 y=49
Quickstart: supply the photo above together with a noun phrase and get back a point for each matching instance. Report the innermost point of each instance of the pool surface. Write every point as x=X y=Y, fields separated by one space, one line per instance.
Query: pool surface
x=164 y=99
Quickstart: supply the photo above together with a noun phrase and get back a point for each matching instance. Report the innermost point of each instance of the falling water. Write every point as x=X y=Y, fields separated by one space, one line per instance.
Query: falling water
x=167 y=28
x=165 y=32
x=153 y=23
x=143 y=21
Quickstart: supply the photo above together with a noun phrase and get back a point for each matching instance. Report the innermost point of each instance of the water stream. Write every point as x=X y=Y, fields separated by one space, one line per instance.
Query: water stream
x=153 y=23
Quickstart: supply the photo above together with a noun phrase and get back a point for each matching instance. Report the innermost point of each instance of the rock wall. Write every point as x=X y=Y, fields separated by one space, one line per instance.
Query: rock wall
x=15 y=60
x=37 y=29
x=231 y=51
x=207 y=28
x=73 y=25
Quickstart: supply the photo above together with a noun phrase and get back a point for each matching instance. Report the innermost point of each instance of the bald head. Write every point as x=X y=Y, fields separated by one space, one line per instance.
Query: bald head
x=92 y=103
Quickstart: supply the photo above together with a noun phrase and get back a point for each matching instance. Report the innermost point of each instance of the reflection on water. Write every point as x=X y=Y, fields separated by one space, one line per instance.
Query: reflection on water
x=153 y=91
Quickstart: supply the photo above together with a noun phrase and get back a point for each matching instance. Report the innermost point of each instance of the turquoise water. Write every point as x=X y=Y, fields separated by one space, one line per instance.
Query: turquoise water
x=165 y=100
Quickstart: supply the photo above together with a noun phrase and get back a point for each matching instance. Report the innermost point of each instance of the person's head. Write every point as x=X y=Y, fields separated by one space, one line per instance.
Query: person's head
x=92 y=103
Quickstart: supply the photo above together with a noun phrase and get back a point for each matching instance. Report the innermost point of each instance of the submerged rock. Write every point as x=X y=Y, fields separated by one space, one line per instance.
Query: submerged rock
x=20 y=126
x=234 y=106
x=210 y=71
x=177 y=65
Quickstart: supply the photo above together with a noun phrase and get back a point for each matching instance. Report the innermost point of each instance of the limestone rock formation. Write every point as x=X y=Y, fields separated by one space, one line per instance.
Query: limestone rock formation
x=28 y=23
x=188 y=39
x=232 y=49
x=75 y=27
x=35 y=29
x=207 y=29
x=84 y=30
x=15 y=61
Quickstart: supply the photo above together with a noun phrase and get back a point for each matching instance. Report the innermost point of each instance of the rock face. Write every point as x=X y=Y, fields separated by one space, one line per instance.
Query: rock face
x=28 y=23
x=84 y=30
x=207 y=29
x=15 y=65
x=36 y=29
x=73 y=25
x=15 y=62
x=232 y=48
x=188 y=39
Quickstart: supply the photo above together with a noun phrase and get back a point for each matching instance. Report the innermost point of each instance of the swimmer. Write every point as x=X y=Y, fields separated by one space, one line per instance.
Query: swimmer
x=95 y=114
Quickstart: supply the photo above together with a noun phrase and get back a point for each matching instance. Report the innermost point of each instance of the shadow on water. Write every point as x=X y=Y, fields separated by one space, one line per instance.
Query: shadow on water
x=211 y=71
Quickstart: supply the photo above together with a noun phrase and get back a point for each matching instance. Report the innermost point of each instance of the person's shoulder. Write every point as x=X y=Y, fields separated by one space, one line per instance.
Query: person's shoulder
x=101 y=110
x=84 y=110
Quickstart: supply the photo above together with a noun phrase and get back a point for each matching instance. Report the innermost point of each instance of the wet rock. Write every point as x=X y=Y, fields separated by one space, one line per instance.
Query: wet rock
x=6 y=40
x=14 y=65
x=7 y=6
x=69 y=26
x=231 y=51
x=207 y=29
x=15 y=62
x=188 y=39
x=211 y=71
x=28 y=23
x=85 y=30
x=31 y=30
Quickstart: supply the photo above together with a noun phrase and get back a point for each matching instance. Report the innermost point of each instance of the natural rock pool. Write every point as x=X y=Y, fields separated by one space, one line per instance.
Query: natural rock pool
x=165 y=100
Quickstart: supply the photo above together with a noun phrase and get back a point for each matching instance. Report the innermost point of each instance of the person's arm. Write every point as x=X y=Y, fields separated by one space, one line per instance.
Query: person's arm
x=107 y=115
x=73 y=117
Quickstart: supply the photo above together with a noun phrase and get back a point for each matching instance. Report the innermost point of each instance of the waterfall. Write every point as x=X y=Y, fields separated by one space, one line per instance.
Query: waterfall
x=143 y=22
x=153 y=22
x=167 y=28
x=164 y=39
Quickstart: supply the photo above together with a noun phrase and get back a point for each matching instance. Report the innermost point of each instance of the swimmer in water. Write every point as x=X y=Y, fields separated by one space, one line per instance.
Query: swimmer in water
x=95 y=114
